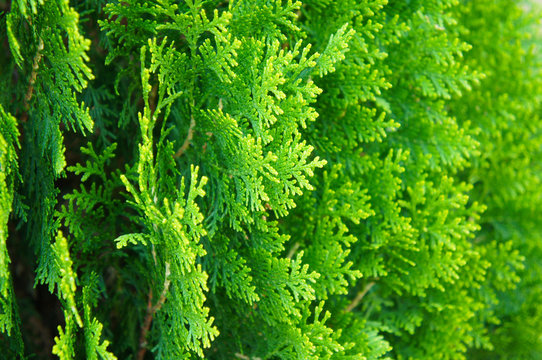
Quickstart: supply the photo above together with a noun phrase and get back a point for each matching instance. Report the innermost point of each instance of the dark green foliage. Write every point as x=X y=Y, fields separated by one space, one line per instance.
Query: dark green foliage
x=270 y=179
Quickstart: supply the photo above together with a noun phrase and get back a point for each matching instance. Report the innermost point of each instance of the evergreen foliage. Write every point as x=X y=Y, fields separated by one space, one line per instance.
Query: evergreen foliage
x=270 y=179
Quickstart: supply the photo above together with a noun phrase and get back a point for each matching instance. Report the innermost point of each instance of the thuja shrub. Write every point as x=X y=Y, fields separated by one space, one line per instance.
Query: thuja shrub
x=270 y=179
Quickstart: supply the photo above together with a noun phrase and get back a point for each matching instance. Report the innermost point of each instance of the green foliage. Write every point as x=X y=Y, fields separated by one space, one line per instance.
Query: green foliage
x=9 y=175
x=507 y=174
x=272 y=179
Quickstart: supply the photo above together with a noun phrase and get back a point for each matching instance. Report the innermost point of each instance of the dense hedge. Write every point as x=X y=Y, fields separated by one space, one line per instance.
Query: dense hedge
x=270 y=179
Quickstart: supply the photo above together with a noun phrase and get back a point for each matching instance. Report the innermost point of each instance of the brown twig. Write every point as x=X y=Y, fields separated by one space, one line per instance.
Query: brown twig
x=293 y=249
x=355 y=302
x=244 y=357
x=241 y=356
x=189 y=136
x=152 y=99
x=33 y=76
x=151 y=310
x=5 y=7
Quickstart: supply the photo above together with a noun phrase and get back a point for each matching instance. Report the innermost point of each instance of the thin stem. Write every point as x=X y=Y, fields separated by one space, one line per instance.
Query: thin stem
x=189 y=136
x=293 y=250
x=33 y=76
x=151 y=310
x=244 y=357
x=357 y=300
